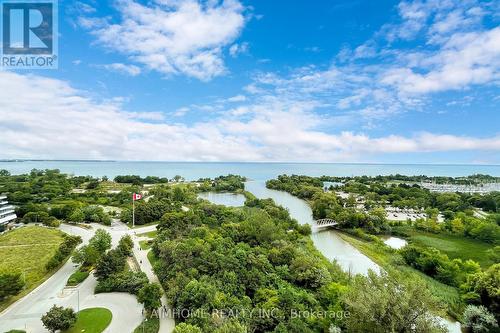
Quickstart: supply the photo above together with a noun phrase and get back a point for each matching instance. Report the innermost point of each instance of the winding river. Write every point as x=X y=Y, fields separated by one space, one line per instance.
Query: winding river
x=328 y=242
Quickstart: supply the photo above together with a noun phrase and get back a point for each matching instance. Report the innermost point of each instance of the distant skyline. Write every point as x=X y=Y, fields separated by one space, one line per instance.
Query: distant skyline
x=263 y=81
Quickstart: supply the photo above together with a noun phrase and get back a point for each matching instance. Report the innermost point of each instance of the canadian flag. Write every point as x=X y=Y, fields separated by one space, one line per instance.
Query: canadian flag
x=136 y=196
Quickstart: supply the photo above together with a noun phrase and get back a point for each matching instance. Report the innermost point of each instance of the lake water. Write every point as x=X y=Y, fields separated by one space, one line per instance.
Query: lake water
x=254 y=171
x=395 y=242
x=226 y=199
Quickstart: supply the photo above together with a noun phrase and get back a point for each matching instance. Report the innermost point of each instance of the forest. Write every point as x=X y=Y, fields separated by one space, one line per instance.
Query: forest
x=362 y=214
x=254 y=268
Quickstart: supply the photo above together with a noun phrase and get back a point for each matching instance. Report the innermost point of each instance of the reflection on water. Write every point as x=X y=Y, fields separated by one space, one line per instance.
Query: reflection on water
x=333 y=247
x=395 y=242
x=226 y=199
x=328 y=242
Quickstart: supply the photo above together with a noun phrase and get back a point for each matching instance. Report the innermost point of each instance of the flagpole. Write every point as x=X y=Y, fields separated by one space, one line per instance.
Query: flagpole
x=133 y=211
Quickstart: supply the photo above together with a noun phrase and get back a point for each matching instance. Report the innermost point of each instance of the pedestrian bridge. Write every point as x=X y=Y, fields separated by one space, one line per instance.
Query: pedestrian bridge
x=324 y=223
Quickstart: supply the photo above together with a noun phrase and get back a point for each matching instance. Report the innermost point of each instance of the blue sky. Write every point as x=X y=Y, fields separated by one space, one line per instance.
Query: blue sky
x=327 y=81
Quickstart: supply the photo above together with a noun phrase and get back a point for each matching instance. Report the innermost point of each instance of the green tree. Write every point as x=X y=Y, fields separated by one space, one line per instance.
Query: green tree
x=110 y=263
x=59 y=319
x=77 y=216
x=10 y=284
x=150 y=296
x=101 y=240
x=125 y=245
x=390 y=304
x=494 y=254
x=478 y=319
x=86 y=255
x=186 y=328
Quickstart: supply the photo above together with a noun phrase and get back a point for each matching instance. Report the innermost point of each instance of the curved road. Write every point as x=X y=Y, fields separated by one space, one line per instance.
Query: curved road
x=127 y=312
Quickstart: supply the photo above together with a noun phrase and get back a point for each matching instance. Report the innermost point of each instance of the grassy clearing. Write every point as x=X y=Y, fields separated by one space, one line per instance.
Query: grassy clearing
x=151 y=325
x=152 y=258
x=453 y=246
x=113 y=186
x=389 y=260
x=146 y=244
x=150 y=234
x=27 y=250
x=92 y=320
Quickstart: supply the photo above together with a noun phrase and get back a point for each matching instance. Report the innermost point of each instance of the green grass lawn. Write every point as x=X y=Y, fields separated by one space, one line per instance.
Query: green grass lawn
x=152 y=258
x=151 y=234
x=92 y=320
x=453 y=246
x=145 y=244
x=152 y=325
x=27 y=250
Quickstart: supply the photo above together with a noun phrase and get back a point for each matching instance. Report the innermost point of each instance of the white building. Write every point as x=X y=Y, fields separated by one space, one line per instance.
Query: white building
x=6 y=211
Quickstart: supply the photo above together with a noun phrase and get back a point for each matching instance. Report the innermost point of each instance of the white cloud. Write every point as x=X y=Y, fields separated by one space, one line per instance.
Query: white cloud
x=50 y=119
x=131 y=70
x=172 y=37
x=181 y=111
x=465 y=59
x=237 y=49
x=237 y=98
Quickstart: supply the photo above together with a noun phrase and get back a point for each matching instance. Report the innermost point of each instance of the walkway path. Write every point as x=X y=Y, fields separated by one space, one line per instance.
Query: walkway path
x=167 y=324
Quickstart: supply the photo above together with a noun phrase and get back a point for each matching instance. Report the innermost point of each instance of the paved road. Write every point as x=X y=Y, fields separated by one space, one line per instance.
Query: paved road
x=25 y=313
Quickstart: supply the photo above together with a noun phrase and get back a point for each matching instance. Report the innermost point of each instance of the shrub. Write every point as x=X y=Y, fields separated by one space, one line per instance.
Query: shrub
x=77 y=278
x=64 y=250
x=478 y=319
x=128 y=282
x=10 y=285
x=186 y=328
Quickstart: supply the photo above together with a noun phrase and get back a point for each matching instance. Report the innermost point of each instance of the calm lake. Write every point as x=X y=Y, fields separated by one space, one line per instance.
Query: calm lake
x=226 y=199
x=254 y=171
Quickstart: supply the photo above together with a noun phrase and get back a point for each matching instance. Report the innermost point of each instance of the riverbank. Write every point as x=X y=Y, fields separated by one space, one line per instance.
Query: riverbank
x=390 y=260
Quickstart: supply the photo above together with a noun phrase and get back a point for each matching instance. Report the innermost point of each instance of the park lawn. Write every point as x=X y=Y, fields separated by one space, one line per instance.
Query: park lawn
x=146 y=244
x=151 y=325
x=150 y=234
x=27 y=250
x=92 y=320
x=453 y=246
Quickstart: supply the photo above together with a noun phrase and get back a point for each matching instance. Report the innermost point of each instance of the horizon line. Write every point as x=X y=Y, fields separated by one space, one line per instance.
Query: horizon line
x=13 y=160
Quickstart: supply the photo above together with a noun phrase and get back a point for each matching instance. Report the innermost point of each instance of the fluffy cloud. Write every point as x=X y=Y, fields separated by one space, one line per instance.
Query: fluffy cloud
x=131 y=70
x=172 y=37
x=50 y=119
x=465 y=59
x=237 y=49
